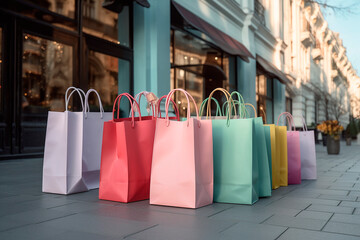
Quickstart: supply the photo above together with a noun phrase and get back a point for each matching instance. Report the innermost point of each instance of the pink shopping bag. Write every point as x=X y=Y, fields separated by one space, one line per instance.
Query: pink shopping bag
x=293 y=151
x=182 y=166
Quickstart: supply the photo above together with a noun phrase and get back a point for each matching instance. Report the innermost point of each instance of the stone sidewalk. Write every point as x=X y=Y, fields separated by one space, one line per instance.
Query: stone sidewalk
x=328 y=208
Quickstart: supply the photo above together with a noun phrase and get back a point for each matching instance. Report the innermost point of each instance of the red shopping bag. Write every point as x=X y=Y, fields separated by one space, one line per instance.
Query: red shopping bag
x=126 y=156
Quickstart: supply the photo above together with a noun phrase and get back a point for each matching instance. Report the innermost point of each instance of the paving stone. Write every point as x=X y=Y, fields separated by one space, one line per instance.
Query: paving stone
x=350 y=204
x=300 y=234
x=338 y=197
x=315 y=215
x=330 y=209
x=297 y=222
x=344 y=228
x=245 y=230
x=346 y=218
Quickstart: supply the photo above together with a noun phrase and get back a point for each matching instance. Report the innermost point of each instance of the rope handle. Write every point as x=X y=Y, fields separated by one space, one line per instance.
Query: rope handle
x=87 y=108
x=264 y=113
x=290 y=120
x=67 y=98
x=249 y=104
x=187 y=95
x=202 y=106
x=152 y=103
x=174 y=106
x=304 y=124
x=242 y=109
x=131 y=100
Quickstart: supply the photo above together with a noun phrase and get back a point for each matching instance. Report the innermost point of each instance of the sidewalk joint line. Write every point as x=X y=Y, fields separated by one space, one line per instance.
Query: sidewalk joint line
x=142 y=230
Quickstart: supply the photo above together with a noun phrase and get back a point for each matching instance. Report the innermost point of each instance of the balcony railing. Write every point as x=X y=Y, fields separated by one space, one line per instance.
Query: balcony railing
x=260 y=11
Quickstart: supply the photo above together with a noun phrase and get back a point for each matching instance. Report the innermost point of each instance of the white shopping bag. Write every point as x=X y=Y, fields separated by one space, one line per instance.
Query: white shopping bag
x=92 y=140
x=73 y=148
x=307 y=153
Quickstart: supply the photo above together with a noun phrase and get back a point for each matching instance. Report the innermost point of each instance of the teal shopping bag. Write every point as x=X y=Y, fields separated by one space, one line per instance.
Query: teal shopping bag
x=235 y=168
x=268 y=148
x=260 y=152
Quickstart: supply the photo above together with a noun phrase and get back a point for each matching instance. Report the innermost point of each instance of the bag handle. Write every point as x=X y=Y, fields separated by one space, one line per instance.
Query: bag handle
x=132 y=101
x=87 y=108
x=151 y=104
x=67 y=98
x=174 y=106
x=290 y=119
x=264 y=113
x=242 y=109
x=187 y=95
x=304 y=124
x=223 y=109
x=228 y=99
x=249 y=104
x=202 y=106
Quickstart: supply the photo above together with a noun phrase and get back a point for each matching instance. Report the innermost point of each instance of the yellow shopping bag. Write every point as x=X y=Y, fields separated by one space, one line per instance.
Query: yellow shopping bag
x=281 y=153
x=275 y=163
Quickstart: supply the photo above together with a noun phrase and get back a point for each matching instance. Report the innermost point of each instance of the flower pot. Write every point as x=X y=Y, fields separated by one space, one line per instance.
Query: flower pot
x=333 y=145
x=348 y=141
x=324 y=136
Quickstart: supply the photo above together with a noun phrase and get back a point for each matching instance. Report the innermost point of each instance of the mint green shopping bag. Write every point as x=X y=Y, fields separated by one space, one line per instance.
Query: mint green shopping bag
x=235 y=169
x=260 y=152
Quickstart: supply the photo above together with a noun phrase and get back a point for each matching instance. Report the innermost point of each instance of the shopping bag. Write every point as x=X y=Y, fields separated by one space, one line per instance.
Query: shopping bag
x=151 y=100
x=126 y=155
x=62 y=167
x=260 y=152
x=307 y=153
x=182 y=166
x=235 y=168
x=293 y=151
x=92 y=141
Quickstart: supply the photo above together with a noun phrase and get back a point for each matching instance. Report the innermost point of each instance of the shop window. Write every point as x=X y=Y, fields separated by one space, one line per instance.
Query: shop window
x=103 y=76
x=63 y=7
x=264 y=97
x=47 y=71
x=196 y=67
x=105 y=24
x=288 y=105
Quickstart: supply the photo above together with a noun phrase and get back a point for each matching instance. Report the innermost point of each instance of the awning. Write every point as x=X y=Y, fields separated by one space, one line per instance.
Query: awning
x=221 y=39
x=271 y=70
x=117 y=5
x=204 y=70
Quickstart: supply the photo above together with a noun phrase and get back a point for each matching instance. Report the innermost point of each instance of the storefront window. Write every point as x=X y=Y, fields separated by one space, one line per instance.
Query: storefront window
x=103 y=76
x=105 y=24
x=264 y=97
x=47 y=71
x=1 y=83
x=196 y=67
x=62 y=7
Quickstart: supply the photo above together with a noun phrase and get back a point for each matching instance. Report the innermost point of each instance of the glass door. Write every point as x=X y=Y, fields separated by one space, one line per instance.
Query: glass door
x=47 y=71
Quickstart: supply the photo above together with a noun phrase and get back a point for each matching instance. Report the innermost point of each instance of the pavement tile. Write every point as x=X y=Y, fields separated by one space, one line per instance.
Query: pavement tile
x=246 y=230
x=296 y=222
x=300 y=234
x=346 y=218
x=338 y=197
x=315 y=215
x=344 y=228
x=350 y=204
x=330 y=209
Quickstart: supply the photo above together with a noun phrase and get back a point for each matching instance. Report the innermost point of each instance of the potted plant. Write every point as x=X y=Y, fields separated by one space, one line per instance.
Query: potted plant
x=333 y=130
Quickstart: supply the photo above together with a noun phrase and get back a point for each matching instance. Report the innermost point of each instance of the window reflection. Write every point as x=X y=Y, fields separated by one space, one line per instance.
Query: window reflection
x=62 y=7
x=47 y=71
x=103 y=76
x=187 y=50
x=264 y=98
x=103 y=23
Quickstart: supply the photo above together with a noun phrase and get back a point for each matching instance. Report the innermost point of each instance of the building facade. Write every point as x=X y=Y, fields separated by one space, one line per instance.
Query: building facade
x=280 y=55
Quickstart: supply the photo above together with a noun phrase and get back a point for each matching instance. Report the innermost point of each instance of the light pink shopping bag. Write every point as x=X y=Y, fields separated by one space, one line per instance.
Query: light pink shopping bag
x=182 y=165
x=293 y=151
x=307 y=153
